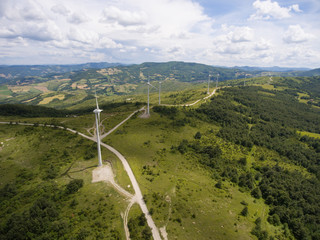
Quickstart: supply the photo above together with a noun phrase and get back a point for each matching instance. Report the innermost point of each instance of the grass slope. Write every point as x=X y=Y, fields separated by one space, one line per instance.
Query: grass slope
x=181 y=192
x=34 y=187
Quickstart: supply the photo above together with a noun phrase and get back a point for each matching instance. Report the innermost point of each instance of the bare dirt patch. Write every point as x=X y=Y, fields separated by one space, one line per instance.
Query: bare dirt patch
x=41 y=88
x=49 y=99
x=19 y=88
x=103 y=173
x=164 y=233
x=30 y=100
x=109 y=71
x=84 y=86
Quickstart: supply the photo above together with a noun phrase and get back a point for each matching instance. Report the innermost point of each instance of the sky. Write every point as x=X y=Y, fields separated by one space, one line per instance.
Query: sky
x=263 y=33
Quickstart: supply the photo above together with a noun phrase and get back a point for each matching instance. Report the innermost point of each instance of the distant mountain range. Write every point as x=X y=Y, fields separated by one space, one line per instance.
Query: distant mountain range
x=313 y=72
x=181 y=71
x=15 y=71
x=272 y=69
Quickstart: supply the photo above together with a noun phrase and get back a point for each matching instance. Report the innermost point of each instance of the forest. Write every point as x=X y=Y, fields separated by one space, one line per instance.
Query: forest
x=255 y=117
x=23 y=110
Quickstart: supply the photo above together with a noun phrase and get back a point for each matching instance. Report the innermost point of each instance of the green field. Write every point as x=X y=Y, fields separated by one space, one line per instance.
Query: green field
x=182 y=192
x=309 y=134
x=46 y=161
x=4 y=91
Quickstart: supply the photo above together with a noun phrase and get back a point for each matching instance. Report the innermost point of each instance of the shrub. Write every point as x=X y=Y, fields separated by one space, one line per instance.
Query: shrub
x=197 y=135
x=218 y=185
x=245 y=211
x=74 y=185
x=256 y=193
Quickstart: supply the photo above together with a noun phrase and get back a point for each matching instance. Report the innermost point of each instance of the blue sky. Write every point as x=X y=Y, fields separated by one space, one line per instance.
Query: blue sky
x=228 y=33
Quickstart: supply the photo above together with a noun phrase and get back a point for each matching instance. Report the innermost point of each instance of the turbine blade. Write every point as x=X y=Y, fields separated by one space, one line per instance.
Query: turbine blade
x=97 y=102
x=152 y=86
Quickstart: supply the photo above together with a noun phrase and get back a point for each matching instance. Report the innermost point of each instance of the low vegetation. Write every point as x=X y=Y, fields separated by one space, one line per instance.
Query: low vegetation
x=243 y=164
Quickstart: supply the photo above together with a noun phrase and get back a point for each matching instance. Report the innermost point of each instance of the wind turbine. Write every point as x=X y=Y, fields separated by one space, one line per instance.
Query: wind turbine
x=217 y=80
x=208 y=92
x=159 y=93
x=98 y=107
x=97 y=112
x=244 y=81
x=149 y=85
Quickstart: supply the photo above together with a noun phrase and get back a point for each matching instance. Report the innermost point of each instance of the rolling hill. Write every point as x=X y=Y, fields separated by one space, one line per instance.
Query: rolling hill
x=8 y=72
x=241 y=165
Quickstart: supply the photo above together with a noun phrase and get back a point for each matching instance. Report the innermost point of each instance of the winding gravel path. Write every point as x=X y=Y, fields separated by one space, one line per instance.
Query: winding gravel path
x=138 y=197
x=110 y=131
x=191 y=104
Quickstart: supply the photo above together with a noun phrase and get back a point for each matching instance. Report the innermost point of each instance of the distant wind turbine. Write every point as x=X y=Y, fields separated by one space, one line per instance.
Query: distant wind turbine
x=97 y=112
x=217 y=80
x=149 y=85
x=159 y=93
x=244 y=80
x=208 y=92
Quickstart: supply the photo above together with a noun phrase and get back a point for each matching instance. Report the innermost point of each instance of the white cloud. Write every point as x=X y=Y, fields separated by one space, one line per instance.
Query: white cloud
x=262 y=45
x=7 y=32
x=39 y=32
x=241 y=34
x=295 y=8
x=295 y=34
x=32 y=12
x=106 y=42
x=123 y=17
x=97 y=57
x=176 y=50
x=60 y=9
x=29 y=10
x=77 y=18
x=231 y=49
x=82 y=36
x=16 y=42
x=129 y=31
x=268 y=10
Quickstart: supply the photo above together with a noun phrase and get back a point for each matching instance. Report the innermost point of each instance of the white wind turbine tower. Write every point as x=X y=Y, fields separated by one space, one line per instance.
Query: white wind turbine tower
x=217 y=80
x=244 y=80
x=159 y=93
x=208 y=92
x=149 y=85
x=97 y=112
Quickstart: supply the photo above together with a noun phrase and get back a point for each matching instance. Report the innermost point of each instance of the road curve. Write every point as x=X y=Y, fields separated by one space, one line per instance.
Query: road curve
x=138 y=197
x=138 y=194
x=135 y=185
x=110 y=131
x=125 y=218
x=191 y=104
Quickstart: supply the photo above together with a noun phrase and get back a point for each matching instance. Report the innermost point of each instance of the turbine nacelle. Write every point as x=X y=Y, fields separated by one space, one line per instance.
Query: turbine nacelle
x=97 y=111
